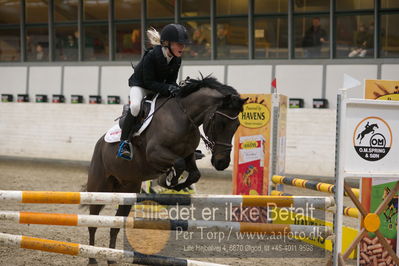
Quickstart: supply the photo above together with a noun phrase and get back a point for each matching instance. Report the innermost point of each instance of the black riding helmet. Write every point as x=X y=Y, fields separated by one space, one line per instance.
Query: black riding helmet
x=174 y=33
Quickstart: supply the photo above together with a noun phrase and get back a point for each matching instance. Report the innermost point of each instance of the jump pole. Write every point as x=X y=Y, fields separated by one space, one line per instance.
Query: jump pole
x=161 y=224
x=74 y=249
x=308 y=184
x=348 y=211
x=101 y=198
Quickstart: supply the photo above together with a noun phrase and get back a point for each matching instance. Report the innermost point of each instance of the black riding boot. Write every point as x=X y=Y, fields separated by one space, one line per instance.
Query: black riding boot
x=125 y=150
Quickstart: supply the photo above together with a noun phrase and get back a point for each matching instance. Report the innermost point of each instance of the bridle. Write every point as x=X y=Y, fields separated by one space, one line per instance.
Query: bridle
x=210 y=132
x=210 y=143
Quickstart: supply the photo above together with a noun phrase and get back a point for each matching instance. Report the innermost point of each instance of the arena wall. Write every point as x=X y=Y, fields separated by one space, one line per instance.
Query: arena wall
x=295 y=80
x=70 y=131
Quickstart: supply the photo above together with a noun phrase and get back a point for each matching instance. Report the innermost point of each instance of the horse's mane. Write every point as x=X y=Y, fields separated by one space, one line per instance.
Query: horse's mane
x=193 y=85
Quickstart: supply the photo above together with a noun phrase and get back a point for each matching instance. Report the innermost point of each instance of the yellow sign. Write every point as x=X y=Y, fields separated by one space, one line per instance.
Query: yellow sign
x=255 y=127
x=253 y=142
x=250 y=145
x=382 y=89
x=254 y=115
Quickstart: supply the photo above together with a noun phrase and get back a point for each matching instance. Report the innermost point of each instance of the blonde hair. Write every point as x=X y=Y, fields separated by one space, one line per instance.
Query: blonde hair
x=153 y=36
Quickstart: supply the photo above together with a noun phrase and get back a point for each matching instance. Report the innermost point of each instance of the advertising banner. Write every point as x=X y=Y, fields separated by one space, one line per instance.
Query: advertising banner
x=262 y=131
x=252 y=146
x=374 y=191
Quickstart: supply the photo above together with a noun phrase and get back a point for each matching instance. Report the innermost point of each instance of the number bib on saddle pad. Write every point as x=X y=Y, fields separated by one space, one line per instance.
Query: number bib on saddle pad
x=114 y=133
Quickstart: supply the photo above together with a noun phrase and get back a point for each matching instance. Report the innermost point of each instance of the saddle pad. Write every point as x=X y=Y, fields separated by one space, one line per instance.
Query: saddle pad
x=114 y=133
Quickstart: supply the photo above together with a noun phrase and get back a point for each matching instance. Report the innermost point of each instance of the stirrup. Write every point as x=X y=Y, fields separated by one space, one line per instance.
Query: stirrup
x=122 y=151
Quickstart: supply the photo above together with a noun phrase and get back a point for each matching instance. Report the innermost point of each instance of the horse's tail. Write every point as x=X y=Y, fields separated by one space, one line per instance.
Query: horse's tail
x=153 y=36
x=358 y=136
x=93 y=176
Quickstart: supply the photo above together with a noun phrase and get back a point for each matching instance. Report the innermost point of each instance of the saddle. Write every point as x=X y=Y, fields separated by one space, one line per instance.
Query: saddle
x=145 y=109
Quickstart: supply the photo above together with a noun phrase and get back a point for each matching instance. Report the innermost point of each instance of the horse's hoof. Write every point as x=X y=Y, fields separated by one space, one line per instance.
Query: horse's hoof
x=111 y=262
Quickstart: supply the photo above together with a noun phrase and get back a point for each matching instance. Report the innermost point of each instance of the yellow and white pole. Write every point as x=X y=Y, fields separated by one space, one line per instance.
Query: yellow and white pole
x=161 y=224
x=308 y=184
x=100 y=198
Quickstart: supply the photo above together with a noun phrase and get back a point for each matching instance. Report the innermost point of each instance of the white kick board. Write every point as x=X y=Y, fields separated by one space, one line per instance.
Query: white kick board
x=370 y=138
x=375 y=155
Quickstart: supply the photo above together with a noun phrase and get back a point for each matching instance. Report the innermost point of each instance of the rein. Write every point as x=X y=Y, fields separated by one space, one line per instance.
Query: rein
x=159 y=107
x=140 y=124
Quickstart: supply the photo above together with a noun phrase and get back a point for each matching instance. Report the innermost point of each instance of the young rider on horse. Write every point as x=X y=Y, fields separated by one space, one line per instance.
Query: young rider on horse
x=155 y=73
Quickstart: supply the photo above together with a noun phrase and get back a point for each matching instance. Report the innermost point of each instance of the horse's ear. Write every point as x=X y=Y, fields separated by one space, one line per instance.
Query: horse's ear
x=233 y=101
x=239 y=101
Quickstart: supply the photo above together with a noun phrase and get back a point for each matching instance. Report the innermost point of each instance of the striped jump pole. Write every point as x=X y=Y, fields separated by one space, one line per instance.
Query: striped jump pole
x=348 y=211
x=100 y=198
x=162 y=224
x=66 y=248
x=309 y=184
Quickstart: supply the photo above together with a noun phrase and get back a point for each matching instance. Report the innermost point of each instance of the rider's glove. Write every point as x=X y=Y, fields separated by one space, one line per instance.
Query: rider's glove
x=173 y=90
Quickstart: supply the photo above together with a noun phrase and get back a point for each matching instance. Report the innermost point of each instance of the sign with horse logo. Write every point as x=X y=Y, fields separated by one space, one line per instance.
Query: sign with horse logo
x=372 y=138
x=370 y=132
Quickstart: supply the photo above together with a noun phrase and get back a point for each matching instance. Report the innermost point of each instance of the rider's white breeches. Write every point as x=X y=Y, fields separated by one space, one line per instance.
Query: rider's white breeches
x=136 y=96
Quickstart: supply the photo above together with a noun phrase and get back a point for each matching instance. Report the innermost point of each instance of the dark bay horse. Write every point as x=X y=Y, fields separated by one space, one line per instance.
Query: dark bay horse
x=169 y=142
